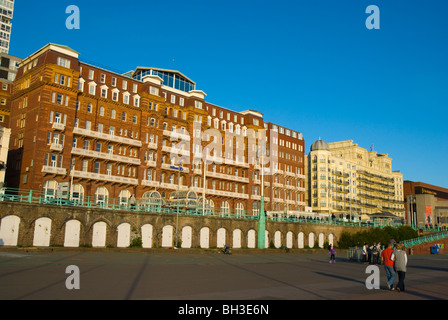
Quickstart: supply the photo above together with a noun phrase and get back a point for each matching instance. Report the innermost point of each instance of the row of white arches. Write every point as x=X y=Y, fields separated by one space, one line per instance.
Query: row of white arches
x=9 y=231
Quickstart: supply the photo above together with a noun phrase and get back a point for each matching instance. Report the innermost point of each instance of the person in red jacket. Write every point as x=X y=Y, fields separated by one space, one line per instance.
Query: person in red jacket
x=388 y=258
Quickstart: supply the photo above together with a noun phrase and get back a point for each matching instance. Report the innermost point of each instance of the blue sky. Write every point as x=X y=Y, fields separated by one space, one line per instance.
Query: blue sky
x=311 y=66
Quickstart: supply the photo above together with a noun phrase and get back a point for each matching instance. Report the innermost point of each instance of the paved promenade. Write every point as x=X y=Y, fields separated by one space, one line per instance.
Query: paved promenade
x=40 y=274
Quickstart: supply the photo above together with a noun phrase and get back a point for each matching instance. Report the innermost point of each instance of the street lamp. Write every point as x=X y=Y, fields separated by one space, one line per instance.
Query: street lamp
x=261 y=217
x=178 y=192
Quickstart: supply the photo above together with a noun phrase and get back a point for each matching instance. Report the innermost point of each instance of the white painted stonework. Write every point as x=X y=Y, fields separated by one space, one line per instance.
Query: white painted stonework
x=167 y=236
x=42 y=232
x=147 y=232
x=186 y=237
x=205 y=238
x=321 y=240
x=289 y=240
x=301 y=242
x=221 y=238
x=9 y=230
x=277 y=239
x=251 y=239
x=311 y=240
x=124 y=235
x=72 y=232
x=236 y=238
x=99 y=234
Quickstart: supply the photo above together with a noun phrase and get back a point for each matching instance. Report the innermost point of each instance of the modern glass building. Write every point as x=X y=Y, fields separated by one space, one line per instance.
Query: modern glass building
x=171 y=78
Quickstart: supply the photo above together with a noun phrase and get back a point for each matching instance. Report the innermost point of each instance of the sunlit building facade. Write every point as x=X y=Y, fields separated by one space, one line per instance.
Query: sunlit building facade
x=108 y=136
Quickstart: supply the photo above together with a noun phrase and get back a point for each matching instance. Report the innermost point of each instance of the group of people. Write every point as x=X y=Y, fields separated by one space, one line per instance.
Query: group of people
x=394 y=259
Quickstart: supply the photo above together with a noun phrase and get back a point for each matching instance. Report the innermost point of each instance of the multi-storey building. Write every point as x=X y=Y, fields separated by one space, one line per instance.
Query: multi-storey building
x=109 y=136
x=6 y=13
x=347 y=179
x=425 y=204
x=8 y=69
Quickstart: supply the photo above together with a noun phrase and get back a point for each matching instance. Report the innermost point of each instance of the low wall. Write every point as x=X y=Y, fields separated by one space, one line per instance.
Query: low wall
x=425 y=248
x=27 y=225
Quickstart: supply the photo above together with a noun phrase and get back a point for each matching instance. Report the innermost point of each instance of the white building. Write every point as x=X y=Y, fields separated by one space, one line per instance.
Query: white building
x=6 y=12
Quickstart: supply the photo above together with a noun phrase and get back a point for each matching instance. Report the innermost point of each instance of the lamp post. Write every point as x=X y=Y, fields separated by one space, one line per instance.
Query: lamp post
x=178 y=191
x=261 y=242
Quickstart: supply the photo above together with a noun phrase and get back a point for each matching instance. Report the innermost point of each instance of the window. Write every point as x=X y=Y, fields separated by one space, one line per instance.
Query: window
x=91 y=74
x=103 y=78
x=115 y=95
x=89 y=108
x=112 y=114
x=181 y=102
x=97 y=167
x=123 y=116
x=134 y=118
x=114 y=82
x=125 y=85
x=126 y=98
x=63 y=62
x=101 y=111
x=134 y=88
x=173 y=99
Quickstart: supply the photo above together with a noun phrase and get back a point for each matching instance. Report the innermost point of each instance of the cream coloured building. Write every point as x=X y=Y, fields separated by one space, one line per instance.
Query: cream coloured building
x=344 y=178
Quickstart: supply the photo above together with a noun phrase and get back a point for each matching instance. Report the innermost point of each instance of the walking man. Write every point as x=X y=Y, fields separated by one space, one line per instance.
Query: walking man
x=387 y=257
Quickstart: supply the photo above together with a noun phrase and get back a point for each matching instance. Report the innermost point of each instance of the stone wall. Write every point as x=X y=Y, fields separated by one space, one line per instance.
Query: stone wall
x=25 y=225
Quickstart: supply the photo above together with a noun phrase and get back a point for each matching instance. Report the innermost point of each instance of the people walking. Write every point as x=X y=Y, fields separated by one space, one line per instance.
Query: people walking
x=387 y=257
x=332 y=253
x=375 y=253
x=401 y=260
x=364 y=252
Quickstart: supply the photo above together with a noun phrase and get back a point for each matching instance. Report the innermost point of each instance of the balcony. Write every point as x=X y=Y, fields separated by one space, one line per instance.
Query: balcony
x=176 y=151
x=152 y=145
x=227 y=177
x=151 y=163
x=54 y=170
x=222 y=193
x=168 y=166
x=56 y=147
x=301 y=176
x=176 y=136
x=149 y=183
x=172 y=186
x=103 y=177
x=197 y=171
x=105 y=136
x=105 y=156
x=58 y=126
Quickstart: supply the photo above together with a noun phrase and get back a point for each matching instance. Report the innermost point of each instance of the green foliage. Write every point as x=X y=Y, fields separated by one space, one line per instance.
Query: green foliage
x=382 y=235
x=136 y=243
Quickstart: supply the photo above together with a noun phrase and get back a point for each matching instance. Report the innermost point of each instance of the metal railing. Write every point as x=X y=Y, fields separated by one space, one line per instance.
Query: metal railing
x=424 y=239
x=148 y=205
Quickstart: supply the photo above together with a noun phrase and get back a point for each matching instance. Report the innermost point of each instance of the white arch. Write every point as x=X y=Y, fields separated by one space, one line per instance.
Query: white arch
x=9 y=230
x=101 y=195
x=124 y=235
x=50 y=188
x=331 y=239
x=236 y=238
x=99 y=234
x=321 y=240
x=289 y=239
x=277 y=239
x=123 y=196
x=311 y=240
x=251 y=239
x=300 y=240
x=72 y=232
x=205 y=238
x=186 y=237
x=42 y=232
x=167 y=236
x=147 y=231
x=221 y=238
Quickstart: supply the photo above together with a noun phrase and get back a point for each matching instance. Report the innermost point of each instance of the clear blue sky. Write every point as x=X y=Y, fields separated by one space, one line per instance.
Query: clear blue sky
x=311 y=66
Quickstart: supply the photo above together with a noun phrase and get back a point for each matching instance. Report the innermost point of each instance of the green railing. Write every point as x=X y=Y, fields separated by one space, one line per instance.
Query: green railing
x=423 y=239
x=145 y=206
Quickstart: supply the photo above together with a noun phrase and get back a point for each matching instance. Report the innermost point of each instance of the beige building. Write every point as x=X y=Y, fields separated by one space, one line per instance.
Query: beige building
x=345 y=179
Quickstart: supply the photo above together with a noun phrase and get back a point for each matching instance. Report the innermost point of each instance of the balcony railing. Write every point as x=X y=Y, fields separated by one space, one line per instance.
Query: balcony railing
x=173 y=134
x=54 y=170
x=168 y=166
x=58 y=126
x=103 y=177
x=56 y=147
x=227 y=176
x=105 y=156
x=105 y=136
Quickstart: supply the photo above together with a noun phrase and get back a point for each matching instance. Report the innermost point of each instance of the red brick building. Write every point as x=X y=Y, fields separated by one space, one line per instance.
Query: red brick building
x=108 y=136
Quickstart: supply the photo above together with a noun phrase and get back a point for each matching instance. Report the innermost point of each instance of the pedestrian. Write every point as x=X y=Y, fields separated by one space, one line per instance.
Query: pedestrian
x=332 y=253
x=364 y=252
x=369 y=254
x=401 y=260
x=132 y=201
x=375 y=253
x=380 y=249
x=387 y=257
